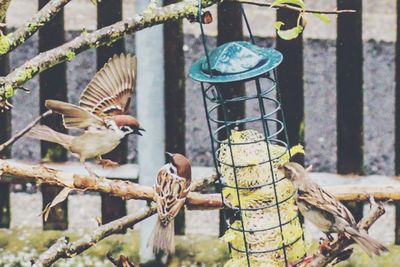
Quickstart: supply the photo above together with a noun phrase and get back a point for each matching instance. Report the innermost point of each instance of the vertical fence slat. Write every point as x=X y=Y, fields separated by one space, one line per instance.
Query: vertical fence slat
x=349 y=89
x=290 y=77
x=230 y=28
x=397 y=119
x=150 y=93
x=108 y=12
x=175 y=96
x=349 y=53
x=5 y=134
x=53 y=85
x=397 y=224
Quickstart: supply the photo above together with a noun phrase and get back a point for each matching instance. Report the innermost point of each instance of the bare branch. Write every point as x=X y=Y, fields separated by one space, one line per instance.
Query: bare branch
x=123 y=189
x=294 y=8
x=18 y=37
x=18 y=135
x=130 y=190
x=64 y=249
x=340 y=245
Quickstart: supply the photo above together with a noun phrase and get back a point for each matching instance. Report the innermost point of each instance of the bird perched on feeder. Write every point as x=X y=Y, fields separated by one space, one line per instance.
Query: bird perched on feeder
x=102 y=112
x=172 y=186
x=325 y=211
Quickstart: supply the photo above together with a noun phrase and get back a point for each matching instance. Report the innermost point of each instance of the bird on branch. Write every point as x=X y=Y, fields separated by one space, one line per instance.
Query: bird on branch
x=172 y=186
x=102 y=113
x=326 y=212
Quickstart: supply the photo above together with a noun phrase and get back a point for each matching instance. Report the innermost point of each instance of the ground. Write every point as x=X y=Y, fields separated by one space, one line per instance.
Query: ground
x=18 y=246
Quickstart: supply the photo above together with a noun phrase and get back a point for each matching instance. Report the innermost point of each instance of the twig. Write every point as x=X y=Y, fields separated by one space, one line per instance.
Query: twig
x=18 y=135
x=64 y=249
x=44 y=15
x=340 y=245
x=294 y=8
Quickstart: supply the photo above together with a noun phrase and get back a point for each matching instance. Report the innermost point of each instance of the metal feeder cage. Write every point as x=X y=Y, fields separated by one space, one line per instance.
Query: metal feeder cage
x=263 y=227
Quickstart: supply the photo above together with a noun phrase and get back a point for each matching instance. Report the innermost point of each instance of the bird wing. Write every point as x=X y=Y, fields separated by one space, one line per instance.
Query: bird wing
x=74 y=116
x=110 y=91
x=171 y=191
x=317 y=198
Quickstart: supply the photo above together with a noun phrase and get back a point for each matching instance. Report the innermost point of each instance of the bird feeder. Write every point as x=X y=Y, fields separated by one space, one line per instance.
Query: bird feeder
x=263 y=228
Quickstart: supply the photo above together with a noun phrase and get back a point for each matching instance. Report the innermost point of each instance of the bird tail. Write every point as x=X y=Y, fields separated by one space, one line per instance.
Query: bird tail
x=369 y=245
x=163 y=238
x=45 y=133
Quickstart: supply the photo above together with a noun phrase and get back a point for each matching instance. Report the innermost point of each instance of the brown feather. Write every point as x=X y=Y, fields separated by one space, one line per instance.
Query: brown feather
x=111 y=89
x=74 y=116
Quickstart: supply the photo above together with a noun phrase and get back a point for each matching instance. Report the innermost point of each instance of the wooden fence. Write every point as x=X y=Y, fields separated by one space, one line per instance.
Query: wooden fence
x=349 y=95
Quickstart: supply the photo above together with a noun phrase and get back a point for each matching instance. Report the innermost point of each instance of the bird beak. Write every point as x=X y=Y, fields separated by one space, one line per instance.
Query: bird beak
x=169 y=156
x=137 y=131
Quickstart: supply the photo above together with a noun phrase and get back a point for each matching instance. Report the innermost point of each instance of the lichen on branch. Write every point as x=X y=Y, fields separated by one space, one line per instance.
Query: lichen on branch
x=104 y=36
x=47 y=13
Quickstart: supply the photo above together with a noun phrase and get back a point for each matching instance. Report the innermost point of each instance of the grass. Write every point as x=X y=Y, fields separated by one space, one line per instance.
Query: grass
x=19 y=246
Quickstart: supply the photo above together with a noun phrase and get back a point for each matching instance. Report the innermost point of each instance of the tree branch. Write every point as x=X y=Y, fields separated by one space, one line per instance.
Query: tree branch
x=130 y=190
x=119 y=188
x=104 y=36
x=18 y=37
x=339 y=246
x=62 y=248
x=18 y=135
x=295 y=8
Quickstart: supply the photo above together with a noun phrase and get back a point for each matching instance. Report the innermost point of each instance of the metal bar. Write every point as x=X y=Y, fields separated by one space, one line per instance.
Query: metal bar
x=53 y=85
x=290 y=75
x=266 y=132
x=109 y=12
x=175 y=96
x=349 y=68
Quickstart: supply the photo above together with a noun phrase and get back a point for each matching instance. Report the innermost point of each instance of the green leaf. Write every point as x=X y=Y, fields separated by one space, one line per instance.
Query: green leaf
x=299 y=3
x=324 y=18
x=287 y=34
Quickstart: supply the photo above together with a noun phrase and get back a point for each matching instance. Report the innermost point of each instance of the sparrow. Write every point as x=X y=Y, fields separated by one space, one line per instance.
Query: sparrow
x=172 y=186
x=325 y=211
x=90 y=144
x=105 y=100
x=101 y=113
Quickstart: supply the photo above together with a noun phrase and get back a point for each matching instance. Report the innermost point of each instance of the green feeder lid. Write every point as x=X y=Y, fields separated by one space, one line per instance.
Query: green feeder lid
x=235 y=61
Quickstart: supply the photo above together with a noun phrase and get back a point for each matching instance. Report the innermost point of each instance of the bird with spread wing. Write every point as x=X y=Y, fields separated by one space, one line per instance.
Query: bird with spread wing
x=102 y=113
